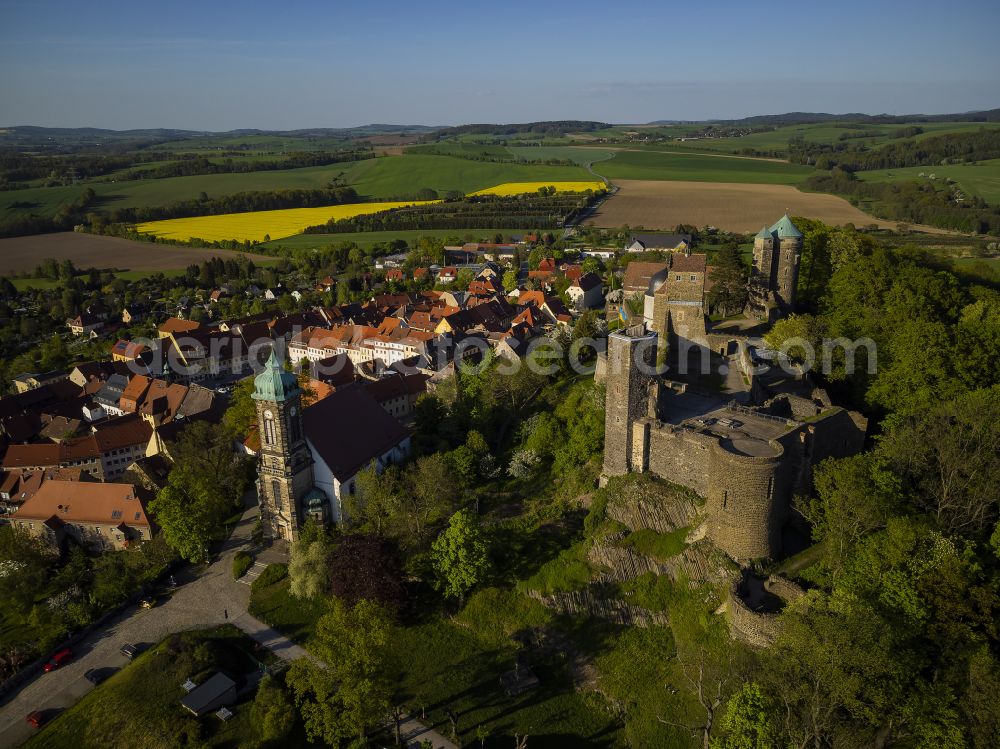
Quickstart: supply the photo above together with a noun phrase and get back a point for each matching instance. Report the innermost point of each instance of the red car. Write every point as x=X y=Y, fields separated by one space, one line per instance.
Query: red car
x=35 y=719
x=58 y=659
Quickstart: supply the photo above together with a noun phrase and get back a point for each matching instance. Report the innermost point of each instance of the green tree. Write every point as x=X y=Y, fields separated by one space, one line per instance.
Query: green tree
x=729 y=281
x=748 y=722
x=510 y=280
x=350 y=692
x=377 y=503
x=308 y=569
x=460 y=556
x=272 y=713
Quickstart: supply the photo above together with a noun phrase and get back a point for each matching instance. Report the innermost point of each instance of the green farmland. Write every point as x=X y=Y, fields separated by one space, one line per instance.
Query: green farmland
x=776 y=141
x=691 y=167
x=380 y=178
x=981 y=179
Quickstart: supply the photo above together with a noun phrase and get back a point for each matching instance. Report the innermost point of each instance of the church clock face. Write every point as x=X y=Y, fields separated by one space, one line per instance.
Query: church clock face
x=268 y=414
x=292 y=411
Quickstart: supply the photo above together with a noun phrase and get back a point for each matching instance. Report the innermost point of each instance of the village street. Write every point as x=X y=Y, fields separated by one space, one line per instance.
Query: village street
x=209 y=599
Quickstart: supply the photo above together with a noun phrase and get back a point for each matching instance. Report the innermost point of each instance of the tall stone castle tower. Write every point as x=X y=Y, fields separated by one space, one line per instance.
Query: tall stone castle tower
x=775 y=276
x=286 y=473
x=631 y=363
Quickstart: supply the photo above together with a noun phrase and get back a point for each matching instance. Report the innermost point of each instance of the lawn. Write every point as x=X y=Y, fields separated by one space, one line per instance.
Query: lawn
x=139 y=705
x=982 y=179
x=275 y=605
x=692 y=167
x=445 y=666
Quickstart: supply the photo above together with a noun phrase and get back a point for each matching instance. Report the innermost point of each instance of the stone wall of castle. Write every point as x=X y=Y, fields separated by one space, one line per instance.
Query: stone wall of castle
x=758 y=629
x=747 y=496
x=682 y=456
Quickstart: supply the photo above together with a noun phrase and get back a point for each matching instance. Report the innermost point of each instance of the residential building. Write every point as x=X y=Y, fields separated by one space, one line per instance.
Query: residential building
x=98 y=516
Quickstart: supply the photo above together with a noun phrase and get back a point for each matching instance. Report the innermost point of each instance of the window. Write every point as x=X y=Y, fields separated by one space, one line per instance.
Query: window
x=269 y=438
x=725 y=499
x=694 y=277
x=677 y=277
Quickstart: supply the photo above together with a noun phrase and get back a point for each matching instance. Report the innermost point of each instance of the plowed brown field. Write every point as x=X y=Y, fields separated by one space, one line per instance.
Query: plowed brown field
x=726 y=205
x=95 y=251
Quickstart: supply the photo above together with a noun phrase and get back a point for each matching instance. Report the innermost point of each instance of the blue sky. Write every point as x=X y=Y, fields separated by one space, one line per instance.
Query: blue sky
x=224 y=65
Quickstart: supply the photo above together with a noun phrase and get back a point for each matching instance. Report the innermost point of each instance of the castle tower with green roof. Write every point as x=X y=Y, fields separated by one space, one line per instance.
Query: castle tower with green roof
x=776 y=254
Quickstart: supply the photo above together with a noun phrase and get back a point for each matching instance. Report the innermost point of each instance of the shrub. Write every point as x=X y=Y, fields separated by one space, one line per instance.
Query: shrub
x=241 y=563
x=271 y=574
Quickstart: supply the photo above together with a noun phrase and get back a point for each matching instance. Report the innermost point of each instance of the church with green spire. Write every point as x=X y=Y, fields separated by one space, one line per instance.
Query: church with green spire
x=309 y=457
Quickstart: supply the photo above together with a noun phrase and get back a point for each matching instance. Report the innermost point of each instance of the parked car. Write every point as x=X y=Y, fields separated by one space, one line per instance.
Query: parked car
x=35 y=719
x=96 y=675
x=128 y=650
x=58 y=659
x=147 y=603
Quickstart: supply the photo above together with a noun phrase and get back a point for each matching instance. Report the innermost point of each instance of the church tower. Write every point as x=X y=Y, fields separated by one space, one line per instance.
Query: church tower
x=286 y=474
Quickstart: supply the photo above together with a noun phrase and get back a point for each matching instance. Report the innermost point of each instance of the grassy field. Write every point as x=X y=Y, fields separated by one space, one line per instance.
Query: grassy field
x=258 y=225
x=139 y=705
x=658 y=165
x=19 y=254
x=404 y=175
x=982 y=179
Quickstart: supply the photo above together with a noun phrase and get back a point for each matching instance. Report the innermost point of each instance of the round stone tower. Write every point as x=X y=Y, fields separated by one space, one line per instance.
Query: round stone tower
x=786 y=269
x=745 y=512
x=763 y=257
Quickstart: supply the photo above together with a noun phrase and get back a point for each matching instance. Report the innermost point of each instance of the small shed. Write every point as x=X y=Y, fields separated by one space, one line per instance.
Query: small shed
x=217 y=691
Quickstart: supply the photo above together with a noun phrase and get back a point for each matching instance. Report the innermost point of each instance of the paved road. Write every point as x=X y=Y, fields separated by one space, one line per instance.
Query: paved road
x=210 y=598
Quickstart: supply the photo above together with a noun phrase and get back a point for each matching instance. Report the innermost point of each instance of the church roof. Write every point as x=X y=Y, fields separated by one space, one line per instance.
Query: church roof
x=786 y=229
x=274 y=383
x=764 y=233
x=348 y=429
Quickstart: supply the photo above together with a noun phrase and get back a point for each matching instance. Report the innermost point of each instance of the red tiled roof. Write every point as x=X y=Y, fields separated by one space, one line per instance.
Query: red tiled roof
x=688 y=263
x=85 y=502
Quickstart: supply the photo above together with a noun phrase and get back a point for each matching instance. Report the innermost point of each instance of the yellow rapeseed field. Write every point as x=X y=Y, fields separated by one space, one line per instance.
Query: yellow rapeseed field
x=519 y=188
x=254 y=225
